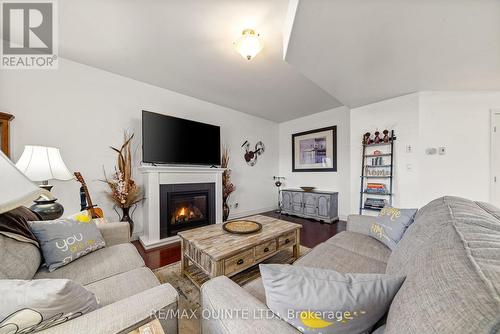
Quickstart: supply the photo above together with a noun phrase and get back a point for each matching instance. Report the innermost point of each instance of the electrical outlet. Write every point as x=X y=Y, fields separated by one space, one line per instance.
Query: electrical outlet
x=236 y=205
x=409 y=148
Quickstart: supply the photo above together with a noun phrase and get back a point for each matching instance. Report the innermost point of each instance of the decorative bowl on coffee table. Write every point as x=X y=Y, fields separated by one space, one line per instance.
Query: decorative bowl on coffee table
x=242 y=226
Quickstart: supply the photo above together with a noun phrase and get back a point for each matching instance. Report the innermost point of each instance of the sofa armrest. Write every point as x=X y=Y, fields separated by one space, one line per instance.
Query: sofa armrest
x=360 y=224
x=229 y=309
x=115 y=233
x=127 y=314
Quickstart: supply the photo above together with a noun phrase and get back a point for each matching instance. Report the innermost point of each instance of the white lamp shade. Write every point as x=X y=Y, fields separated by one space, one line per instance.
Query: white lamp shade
x=15 y=188
x=41 y=163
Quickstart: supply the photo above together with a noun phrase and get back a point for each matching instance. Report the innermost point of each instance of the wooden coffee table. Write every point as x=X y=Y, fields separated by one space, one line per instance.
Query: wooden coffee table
x=209 y=251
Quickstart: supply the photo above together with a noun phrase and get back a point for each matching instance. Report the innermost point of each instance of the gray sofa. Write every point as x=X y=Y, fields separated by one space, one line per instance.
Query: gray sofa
x=450 y=256
x=127 y=290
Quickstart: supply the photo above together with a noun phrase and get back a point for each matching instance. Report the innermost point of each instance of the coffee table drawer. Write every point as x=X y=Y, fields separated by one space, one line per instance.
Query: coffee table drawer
x=287 y=240
x=238 y=262
x=265 y=249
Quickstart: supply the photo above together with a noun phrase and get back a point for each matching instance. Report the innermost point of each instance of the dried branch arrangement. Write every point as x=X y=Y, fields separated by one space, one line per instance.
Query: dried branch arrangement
x=227 y=186
x=124 y=192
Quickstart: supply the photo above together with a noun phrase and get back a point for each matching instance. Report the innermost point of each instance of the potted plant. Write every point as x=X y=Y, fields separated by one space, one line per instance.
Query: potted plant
x=227 y=185
x=123 y=190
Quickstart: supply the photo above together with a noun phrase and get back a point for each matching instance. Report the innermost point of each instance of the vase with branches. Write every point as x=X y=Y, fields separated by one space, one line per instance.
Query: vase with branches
x=227 y=186
x=123 y=191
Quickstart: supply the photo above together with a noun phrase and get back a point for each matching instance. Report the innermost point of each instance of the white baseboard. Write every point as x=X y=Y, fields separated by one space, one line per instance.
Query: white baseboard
x=251 y=212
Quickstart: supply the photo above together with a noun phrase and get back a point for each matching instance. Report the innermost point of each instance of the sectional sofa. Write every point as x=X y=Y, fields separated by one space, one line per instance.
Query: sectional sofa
x=450 y=256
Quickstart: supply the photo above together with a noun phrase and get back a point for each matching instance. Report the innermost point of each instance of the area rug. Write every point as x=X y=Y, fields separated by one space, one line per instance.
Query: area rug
x=189 y=295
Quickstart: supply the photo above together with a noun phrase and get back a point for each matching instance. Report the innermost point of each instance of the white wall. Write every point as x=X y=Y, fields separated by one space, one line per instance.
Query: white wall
x=398 y=114
x=459 y=121
x=83 y=110
x=333 y=181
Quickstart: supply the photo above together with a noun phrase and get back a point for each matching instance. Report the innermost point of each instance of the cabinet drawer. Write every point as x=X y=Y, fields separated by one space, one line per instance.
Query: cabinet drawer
x=286 y=240
x=238 y=262
x=265 y=249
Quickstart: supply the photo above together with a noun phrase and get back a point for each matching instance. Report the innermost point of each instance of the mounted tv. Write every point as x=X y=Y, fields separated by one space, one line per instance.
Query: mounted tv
x=172 y=140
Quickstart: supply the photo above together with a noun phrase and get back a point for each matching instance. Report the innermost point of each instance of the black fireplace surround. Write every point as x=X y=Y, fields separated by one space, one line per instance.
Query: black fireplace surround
x=186 y=206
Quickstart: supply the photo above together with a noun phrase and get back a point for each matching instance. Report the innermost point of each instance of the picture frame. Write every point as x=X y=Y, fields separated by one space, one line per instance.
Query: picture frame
x=315 y=150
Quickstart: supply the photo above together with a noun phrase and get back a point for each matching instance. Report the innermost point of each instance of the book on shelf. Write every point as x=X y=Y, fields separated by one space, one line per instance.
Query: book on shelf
x=375 y=185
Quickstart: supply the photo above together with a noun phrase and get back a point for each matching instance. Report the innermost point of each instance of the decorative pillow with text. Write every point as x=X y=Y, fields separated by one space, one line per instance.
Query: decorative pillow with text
x=322 y=301
x=65 y=240
x=34 y=305
x=391 y=224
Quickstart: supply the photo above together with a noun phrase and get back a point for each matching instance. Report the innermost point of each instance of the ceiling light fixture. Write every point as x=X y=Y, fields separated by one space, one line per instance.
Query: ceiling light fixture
x=249 y=44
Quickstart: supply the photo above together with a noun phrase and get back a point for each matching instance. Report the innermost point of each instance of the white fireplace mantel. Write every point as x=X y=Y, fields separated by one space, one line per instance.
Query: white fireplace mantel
x=154 y=176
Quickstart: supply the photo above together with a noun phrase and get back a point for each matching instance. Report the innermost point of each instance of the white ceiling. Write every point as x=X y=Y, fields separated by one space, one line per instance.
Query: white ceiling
x=363 y=51
x=186 y=46
x=357 y=51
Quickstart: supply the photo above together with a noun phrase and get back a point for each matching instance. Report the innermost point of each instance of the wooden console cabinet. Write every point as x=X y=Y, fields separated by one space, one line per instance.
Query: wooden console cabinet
x=4 y=132
x=319 y=205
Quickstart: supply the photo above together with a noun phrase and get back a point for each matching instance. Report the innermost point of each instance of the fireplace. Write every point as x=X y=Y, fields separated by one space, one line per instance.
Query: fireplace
x=186 y=206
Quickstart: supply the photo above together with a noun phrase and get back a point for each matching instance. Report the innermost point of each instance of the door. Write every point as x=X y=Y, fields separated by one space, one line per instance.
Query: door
x=310 y=205
x=286 y=201
x=297 y=202
x=324 y=206
x=495 y=157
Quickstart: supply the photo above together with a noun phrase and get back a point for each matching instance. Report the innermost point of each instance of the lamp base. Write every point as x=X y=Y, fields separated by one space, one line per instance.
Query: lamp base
x=46 y=207
x=48 y=210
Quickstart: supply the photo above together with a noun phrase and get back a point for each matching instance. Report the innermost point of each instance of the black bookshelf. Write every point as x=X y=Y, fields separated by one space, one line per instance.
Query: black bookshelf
x=387 y=178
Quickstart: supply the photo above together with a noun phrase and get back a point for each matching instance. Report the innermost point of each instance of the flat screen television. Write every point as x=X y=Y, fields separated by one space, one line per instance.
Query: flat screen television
x=172 y=140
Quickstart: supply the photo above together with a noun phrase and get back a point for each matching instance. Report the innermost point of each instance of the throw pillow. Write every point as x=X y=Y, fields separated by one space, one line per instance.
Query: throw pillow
x=391 y=225
x=30 y=306
x=67 y=239
x=315 y=300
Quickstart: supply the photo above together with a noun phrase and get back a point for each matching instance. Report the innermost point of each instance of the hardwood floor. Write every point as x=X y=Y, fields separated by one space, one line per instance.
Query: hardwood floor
x=311 y=234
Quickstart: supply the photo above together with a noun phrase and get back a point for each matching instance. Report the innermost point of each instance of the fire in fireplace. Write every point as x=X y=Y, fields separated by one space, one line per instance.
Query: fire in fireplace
x=186 y=206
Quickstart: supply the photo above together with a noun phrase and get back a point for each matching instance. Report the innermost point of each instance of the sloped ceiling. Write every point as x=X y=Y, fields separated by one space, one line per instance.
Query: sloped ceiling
x=363 y=51
x=186 y=46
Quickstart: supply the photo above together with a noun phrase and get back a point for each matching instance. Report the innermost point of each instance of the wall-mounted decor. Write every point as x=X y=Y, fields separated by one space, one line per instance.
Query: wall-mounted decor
x=4 y=132
x=251 y=156
x=315 y=150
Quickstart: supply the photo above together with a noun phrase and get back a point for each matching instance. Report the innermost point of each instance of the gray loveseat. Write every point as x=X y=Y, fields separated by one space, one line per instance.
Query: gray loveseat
x=450 y=256
x=128 y=291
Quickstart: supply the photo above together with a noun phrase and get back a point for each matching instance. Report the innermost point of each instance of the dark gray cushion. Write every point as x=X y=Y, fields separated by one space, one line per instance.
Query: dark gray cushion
x=30 y=306
x=313 y=300
x=391 y=224
x=65 y=240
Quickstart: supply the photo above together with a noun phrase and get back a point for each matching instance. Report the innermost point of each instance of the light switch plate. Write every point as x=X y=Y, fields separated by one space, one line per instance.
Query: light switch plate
x=431 y=151
x=442 y=150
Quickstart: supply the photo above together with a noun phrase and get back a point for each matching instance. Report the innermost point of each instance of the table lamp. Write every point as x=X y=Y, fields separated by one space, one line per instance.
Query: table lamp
x=42 y=164
x=15 y=188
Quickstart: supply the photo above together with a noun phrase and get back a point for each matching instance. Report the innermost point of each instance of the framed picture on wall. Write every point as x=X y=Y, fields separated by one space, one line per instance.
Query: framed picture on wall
x=315 y=150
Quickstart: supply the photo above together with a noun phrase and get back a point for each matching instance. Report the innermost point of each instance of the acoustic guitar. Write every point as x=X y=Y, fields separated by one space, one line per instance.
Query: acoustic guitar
x=94 y=210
